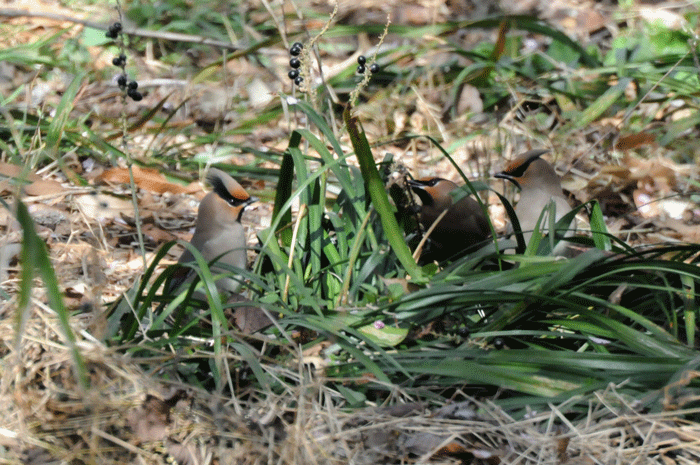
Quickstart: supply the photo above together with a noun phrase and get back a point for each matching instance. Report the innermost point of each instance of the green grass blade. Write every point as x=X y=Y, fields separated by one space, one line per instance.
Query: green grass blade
x=34 y=256
x=58 y=123
x=379 y=196
x=690 y=313
x=284 y=190
x=601 y=237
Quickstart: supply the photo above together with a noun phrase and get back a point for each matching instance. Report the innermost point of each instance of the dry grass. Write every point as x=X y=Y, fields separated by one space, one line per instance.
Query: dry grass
x=130 y=415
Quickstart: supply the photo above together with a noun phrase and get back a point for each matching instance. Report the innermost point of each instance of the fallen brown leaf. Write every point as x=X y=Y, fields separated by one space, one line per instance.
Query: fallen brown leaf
x=43 y=187
x=249 y=318
x=150 y=422
x=147 y=179
x=13 y=171
x=156 y=234
x=634 y=141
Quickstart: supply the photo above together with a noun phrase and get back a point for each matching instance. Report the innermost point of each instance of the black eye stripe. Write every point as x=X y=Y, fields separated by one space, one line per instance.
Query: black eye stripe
x=234 y=202
x=520 y=170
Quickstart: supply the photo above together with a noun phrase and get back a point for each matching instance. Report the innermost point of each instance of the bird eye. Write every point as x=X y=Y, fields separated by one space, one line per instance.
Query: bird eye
x=235 y=201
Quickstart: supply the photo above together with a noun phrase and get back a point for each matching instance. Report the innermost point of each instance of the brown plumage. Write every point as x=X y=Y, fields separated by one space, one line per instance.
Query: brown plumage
x=218 y=231
x=463 y=226
x=538 y=184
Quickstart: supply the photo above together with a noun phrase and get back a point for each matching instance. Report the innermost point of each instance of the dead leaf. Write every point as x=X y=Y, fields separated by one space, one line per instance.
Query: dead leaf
x=645 y=204
x=465 y=411
x=47 y=215
x=7 y=218
x=259 y=93
x=248 y=318
x=669 y=19
x=562 y=446
x=44 y=187
x=102 y=207
x=13 y=171
x=8 y=254
x=470 y=100
x=147 y=179
x=156 y=234
x=590 y=20
x=151 y=421
x=634 y=141
x=421 y=443
x=184 y=454
x=407 y=286
x=660 y=173
x=688 y=233
x=316 y=349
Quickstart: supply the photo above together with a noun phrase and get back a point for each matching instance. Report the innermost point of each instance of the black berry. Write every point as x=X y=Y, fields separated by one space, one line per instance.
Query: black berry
x=361 y=60
x=361 y=69
x=133 y=85
x=294 y=63
x=295 y=50
x=293 y=74
x=498 y=343
x=298 y=80
x=135 y=95
x=374 y=68
x=121 y=80
x=464 y=331
x=114 y=30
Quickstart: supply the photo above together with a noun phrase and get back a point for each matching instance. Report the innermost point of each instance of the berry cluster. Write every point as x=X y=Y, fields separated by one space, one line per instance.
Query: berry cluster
x=130 y=88
x=114 y=30
x=295 y=63
x=120 y=62
x=361 y=61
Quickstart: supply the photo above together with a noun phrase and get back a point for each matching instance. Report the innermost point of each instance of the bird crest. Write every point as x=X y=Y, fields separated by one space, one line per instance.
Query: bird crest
x=517 y=167
x=227 y=188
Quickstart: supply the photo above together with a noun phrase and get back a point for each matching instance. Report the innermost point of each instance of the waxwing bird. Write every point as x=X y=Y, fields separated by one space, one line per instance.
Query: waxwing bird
x=218 y=231
x=463 y=226
x=538 y=184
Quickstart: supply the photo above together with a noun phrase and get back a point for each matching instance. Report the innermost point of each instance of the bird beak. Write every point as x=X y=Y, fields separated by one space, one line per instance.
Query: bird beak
x=510 y=178
x=416 y=185
x=420 y=188
x=250 y=200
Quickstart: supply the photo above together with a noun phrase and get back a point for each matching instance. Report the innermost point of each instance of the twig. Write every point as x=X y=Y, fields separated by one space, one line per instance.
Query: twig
x=419 y=249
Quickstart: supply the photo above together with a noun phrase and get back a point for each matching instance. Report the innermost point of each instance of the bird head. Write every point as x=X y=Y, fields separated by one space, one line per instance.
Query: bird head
x=234 y=197
x=433 y=192
x=530 y=171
